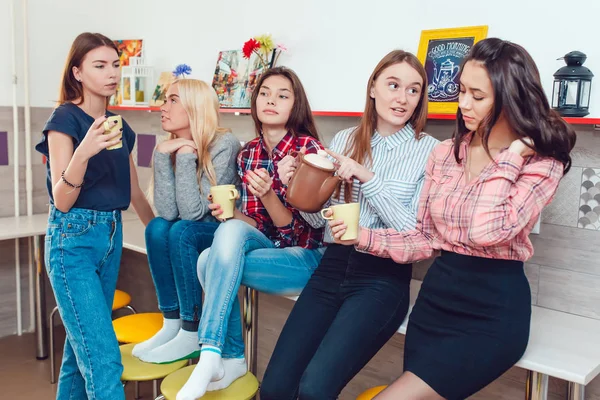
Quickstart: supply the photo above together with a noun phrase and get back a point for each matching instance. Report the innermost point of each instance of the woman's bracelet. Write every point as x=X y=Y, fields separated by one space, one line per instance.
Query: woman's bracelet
x=62 y=176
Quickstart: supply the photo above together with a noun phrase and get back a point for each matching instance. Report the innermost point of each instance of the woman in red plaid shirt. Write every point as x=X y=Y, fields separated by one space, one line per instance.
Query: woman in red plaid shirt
x=267 y=245
x=484 y=191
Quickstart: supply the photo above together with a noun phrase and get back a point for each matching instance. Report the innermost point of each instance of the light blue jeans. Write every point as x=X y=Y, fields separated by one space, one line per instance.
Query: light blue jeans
x=241 y=255
x=82 y=257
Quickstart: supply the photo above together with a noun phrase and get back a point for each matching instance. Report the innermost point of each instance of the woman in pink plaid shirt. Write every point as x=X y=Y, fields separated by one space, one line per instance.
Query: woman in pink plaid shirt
x=484 y=191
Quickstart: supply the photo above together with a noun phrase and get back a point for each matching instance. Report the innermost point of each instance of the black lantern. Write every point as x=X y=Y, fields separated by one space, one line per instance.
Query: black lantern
x=572 y=86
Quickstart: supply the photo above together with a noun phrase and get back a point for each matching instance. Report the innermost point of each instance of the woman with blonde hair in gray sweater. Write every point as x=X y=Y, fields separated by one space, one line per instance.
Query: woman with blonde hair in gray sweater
x=197 y=154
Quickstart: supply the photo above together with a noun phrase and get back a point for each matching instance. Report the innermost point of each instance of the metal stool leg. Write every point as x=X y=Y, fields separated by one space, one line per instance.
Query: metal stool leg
x=155 y=388
x=130 y=308
x=250 y=311
x=536 y=386
x=576 y=391
x=40 y=300
x=52 y=366
x=136 y=395
x=161 y=397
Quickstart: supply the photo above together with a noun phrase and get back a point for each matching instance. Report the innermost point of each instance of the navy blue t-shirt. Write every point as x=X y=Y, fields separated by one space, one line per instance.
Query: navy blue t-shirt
x=107 y=184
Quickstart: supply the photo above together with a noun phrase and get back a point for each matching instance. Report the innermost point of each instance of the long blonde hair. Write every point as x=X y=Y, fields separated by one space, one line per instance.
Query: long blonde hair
x=200 y=102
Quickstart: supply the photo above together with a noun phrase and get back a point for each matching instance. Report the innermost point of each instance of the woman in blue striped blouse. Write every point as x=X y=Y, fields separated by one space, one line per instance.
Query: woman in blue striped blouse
x=354 y=301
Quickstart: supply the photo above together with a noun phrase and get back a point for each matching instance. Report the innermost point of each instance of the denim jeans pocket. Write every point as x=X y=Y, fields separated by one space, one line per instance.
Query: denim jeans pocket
x=75 y=227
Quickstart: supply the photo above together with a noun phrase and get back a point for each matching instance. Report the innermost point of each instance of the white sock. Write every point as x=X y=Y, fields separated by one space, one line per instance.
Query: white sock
x=183 y=346
x=166 y=333
x=209 y=369
x=234 y=368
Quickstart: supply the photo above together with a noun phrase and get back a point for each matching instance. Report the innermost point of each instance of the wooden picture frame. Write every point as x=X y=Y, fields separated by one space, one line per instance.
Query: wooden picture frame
x=442 y=51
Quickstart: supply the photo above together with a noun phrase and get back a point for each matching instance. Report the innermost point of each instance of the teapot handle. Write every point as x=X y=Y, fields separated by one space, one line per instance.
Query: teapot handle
x=295 y=153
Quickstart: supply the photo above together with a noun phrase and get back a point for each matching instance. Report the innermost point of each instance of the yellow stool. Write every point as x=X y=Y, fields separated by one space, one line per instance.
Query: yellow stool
x=137 y=328
x=370 y=393
x=242 y=389
x=121 y=300
x=135 y=370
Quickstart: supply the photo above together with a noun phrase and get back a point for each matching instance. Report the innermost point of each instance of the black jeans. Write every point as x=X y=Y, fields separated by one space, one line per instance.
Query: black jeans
x=351 y=306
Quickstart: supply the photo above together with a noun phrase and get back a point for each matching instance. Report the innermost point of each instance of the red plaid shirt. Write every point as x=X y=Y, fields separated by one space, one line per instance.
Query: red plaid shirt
x=255 y=155
x=490 y=217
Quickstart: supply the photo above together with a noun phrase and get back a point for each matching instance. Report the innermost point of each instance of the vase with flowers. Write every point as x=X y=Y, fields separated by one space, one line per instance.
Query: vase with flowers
x=265 y=49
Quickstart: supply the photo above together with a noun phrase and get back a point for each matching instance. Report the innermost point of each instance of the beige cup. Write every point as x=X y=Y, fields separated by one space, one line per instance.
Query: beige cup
x=349 y=213
x=224 y=195
x=110 y=126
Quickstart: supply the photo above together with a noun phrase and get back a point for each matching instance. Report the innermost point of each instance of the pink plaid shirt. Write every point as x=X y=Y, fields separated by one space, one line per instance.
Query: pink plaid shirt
x=490 y=217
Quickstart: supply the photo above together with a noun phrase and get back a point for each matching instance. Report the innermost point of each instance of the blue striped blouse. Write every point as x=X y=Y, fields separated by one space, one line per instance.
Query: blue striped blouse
x=391 y=198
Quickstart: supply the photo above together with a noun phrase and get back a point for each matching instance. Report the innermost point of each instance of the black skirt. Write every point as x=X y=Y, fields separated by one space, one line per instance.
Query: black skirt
x=469 y=325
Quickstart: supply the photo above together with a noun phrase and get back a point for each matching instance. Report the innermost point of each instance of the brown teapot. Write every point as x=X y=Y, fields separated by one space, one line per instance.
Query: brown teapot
x=313 y=182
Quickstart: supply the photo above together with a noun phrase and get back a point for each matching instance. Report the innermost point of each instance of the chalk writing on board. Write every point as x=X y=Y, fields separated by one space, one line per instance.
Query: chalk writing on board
x=442 y=65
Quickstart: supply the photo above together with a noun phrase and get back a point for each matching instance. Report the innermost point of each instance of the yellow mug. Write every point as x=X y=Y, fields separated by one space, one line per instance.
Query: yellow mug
x=110 y=126
x=349 y=213
x=225 y=196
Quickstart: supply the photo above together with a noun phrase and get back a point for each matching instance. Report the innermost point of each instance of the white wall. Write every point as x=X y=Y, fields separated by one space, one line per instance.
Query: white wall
x=333 y=44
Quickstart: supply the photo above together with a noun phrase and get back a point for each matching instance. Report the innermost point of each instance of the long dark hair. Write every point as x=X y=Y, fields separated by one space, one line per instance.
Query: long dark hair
x=70 y=88
x=519 y=95
x=301 y=121
x=359 y=147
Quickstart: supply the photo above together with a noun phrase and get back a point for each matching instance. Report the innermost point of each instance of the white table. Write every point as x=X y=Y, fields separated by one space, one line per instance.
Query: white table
x=31 y=226
x=564 y=346
x=134 y=237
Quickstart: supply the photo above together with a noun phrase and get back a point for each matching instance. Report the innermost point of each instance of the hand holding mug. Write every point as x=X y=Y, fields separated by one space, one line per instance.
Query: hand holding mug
x=338 y=230
x=97 y=139
x=222 y=198
x=343 y=221
x=112 y=125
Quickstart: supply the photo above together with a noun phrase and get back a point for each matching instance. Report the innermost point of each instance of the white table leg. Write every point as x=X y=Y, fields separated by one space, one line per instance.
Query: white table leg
x=31 y=285
x=536 y=386
x=18 y=288
x=575 y=391
x=40 y=302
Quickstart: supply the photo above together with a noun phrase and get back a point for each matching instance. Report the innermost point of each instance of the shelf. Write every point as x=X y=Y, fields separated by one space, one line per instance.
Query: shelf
x=582 y=121
x=246 y=111
x=134 y=108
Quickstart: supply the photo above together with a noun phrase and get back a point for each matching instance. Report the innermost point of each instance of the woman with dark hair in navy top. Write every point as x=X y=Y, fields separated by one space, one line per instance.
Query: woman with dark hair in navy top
x=91 y=179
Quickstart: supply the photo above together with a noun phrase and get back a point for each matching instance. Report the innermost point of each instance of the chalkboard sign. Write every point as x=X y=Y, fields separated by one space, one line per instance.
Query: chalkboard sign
x=442 y=51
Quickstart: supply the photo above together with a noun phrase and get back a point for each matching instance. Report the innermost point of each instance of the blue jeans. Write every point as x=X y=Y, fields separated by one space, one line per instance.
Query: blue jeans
x=173 y=250
x=242 y=255
x=82 y=257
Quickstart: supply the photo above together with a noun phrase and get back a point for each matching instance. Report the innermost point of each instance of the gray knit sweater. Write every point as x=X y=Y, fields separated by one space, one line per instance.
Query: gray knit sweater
x=177 y=193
